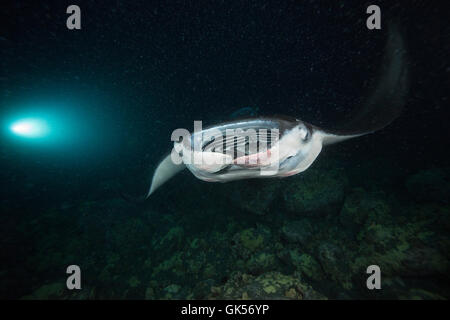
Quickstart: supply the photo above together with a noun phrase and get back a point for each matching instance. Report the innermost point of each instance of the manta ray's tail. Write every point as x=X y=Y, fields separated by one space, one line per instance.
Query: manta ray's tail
x=385 y=102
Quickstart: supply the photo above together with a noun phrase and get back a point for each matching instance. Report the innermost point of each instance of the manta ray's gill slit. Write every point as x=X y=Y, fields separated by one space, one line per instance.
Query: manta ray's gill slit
x=247 y=146
x=207 y=143
x=235 y=147
x=258 y=142
x=224 y=146
x=241 y=143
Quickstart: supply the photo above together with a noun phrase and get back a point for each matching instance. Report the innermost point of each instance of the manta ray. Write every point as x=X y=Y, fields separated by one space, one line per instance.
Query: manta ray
x=297 y=143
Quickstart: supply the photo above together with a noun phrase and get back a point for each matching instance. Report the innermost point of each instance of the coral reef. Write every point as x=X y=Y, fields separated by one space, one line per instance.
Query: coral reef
x=256 y=196
x=315 y=192
x=321 y=235
x=271 y=285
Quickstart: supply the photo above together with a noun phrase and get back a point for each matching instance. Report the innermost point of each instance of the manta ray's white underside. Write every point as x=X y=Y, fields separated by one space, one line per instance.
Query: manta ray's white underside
x=301 y=155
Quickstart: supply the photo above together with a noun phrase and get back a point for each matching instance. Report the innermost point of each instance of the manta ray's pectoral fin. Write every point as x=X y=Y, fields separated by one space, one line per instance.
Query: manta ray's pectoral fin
x=165 y=170
x=386 y=97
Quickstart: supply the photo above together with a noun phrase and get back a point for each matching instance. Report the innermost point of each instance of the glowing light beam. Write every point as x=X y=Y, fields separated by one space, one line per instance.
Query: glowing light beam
x=30 y=128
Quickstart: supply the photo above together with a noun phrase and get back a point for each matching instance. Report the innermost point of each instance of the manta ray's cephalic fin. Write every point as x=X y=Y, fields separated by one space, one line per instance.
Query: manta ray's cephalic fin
x=165 y=170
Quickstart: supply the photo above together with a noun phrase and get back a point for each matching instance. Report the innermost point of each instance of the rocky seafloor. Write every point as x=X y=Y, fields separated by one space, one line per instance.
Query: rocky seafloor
x=311 y=236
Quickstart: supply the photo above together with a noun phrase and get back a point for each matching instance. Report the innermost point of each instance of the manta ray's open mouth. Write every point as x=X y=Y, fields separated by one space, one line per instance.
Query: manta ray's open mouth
x=241 y=142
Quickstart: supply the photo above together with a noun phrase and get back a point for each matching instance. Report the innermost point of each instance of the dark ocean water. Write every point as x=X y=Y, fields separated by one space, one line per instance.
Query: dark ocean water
x=113 y=92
